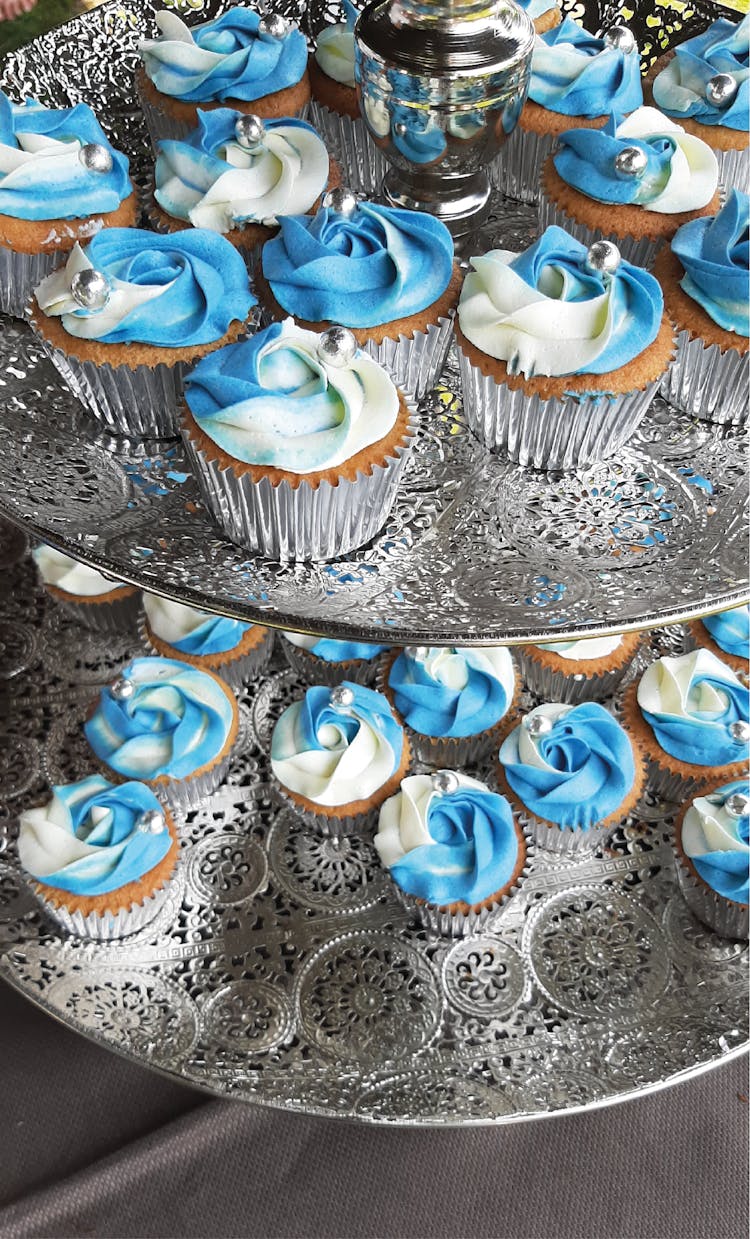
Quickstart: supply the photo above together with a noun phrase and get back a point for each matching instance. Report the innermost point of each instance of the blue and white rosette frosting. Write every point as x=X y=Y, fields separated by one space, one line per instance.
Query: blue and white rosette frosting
x=730 y=630
x=336 y=748
x=92 y=839
x=167 y=724
x=131 y=285
x=708 y=380
x=365 y=269
x=325 y=660
x=713 y=857
x=79 y=581
x=556 y=310
x=571 y=769
x=209 y=638
x=448 y=840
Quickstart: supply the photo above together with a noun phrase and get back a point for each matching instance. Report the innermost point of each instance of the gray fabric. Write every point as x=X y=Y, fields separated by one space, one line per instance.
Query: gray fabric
x=95 y=1146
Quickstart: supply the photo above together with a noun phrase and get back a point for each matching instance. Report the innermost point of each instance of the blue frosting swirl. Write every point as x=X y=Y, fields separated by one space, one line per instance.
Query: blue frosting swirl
x=585 y=159
x=584 y=76
x=379 y=264
x=731 y=630
x=52 y=183
x=703 y=737
x=427 y=700
x=680 y=88
x=728 y=871
x=204 y=280
x=368 y=705
x=177 y=721
x=105 y=818
x=715 y=254
x=583 y=767
x=242 y=63
x=474 y=853
x=332 y=651
x=215 y=635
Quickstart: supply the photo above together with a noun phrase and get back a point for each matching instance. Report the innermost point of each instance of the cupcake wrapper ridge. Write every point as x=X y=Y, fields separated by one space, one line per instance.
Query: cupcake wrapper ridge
x=641 y=251
x=350 y=141
x=314 y=670
x=104 y=927
x=19 y=276
x=111 y=618
x=707 y=383
x=571 y=687
x=189 y=793
x=724 y=916
x=332 y=826
x=415 y=364
x=734 y=168
x=517 y=169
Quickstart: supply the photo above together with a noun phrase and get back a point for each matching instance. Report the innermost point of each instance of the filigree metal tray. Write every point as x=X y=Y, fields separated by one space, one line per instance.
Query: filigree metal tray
x=283 y=971
x=476 y=550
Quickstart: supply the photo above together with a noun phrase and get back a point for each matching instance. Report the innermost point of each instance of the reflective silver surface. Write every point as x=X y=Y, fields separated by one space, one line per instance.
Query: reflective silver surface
x=283 y=971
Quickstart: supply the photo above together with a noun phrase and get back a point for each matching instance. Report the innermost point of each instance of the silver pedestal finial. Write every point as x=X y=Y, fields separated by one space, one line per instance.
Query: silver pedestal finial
x=441 y=84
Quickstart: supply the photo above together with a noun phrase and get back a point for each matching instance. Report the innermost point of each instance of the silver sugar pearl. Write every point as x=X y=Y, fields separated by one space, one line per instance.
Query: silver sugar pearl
x=620 y=38
x=249 y=130
x=122 y=689
x=740 y=732
x=95 y=157
x=337 y=347
x=151 y=822
x=537 y=724
x=445 y=782
x=342 y=697
x=273 y=25
x=90 y=289
x=603 y=257
x=631 y=161
x=341 y=200
x=721 y=90
x=737 y=805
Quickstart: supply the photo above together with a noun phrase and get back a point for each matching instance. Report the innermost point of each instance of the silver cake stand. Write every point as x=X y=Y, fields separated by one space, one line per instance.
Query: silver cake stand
x=282 y=970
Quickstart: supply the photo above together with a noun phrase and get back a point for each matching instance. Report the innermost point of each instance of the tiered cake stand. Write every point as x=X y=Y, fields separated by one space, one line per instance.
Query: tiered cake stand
x=282 y=970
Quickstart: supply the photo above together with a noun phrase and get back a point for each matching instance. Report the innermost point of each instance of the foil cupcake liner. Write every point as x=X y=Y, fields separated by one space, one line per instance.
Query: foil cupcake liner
x=286 y=523
x=517 y=168
x=707 y=383
x=236 y=671
x=350 y=141
x=560 y=434
x=447 y=752
x=332 y=827
x=415 y=364
x=734 y=168
x=561 y=841
x=640 y=251
x=19 y=276
x=189 y=793
x=104 y=927
x=314 y=670
x=571 y=687
x=111 y=618
x=723 y=916
x=670 y=785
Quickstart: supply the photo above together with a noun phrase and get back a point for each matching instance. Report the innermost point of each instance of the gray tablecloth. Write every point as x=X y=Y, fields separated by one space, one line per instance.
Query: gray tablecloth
x=95 y=1146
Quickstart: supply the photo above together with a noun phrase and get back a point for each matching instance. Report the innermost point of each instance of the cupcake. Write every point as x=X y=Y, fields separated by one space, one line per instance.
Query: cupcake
x=96 y=601
x=235 y=175
x=706 y=282
x=238 y=60
x=704 y=84
x=324 y=660
x=451 y=700
x=334 y=108
x=572 y=773
x=60 y=182
x=452 y=848
x=385 y=273
x=727 y=635
x=338 y=754
x=634 y=182
x=577 y=80
x=297 y=440
x=169 y=725
x=589 y=669
x=691 y=714
x=122 y=320
x=233 y=650
x=561 y=350
x=713 y=857
x=99 y=857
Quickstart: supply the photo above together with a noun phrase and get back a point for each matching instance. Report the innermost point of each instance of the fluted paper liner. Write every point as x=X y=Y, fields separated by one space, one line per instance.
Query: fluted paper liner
x=708 y=383
x=641 y=251
x=105 y=927
x=724 y=916
x=332 y=826
x=350 y=141
x=19 y=276
x=517 y=169
x=189 y=793
x=415 y=364
x=314 y=670
x=734 y=168
x=111 y=618
x=564 y=434
x=570 y=687
x=235 y=671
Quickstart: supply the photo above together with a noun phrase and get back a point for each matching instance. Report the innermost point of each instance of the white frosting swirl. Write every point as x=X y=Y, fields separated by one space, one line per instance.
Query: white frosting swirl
x=708 y=827
x=56 y=299
x=335 y=53
x=528 y=745
x=693 y=169
x=71 y=576
x=681 y=688
x=402 y=825
x=587 y=647
x=447 y=665
x=172 y=621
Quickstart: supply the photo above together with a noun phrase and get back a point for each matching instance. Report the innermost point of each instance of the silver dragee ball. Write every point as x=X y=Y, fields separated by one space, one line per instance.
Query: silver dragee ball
x=721 y=90
x=631 y=161
x=90 y=289
x=273 y=25
x=737 y=805
x=341 y=200
x=95 y=157
x=337 y=347
x=122 y=689
x=342 y=697
x=249 y=130
x=620 y=38
x=740 y=732
x=537 y=724
x=603 y=257
x=151 y=822
x=445 y=782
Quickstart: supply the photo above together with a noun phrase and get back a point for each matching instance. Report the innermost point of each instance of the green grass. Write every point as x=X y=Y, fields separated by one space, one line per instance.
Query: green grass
x=48 y=13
